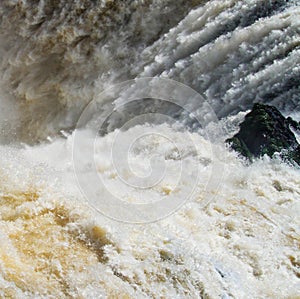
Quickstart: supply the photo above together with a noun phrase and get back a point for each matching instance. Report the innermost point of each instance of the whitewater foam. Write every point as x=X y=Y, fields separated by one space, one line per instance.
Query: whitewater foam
x=238 y=241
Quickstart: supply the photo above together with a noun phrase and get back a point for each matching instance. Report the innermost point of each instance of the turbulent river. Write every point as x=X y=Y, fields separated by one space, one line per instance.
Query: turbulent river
x=105 y=197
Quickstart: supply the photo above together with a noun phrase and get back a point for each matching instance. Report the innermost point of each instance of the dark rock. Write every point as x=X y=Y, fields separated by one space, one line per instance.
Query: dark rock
x=266 y=131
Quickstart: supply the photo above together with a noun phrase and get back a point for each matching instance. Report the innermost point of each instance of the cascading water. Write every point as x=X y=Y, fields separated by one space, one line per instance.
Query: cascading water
x=56 y=56
x=237 y=233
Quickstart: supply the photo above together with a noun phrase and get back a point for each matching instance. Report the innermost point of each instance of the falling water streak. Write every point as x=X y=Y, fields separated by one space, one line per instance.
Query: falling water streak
x=57 y=56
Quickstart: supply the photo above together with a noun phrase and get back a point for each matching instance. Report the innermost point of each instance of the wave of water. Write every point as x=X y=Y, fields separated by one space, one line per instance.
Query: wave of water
x=235 y=236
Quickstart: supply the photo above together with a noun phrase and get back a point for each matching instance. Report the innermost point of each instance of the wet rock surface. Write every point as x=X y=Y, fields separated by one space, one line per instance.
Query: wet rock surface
x=266 y=131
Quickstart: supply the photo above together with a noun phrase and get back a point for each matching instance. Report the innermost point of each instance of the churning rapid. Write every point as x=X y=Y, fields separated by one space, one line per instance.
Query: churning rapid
x=235 y=235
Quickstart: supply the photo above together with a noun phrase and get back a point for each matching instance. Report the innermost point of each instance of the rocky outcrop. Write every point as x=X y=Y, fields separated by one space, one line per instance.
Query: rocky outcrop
x=266 y=131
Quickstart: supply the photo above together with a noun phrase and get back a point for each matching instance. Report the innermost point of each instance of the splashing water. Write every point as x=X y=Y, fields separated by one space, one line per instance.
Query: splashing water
x=237 y=233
